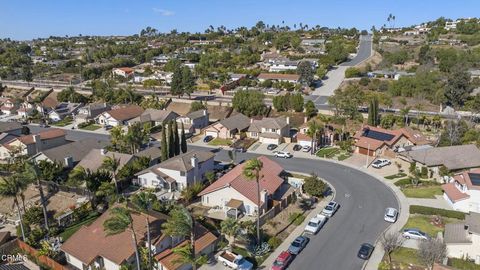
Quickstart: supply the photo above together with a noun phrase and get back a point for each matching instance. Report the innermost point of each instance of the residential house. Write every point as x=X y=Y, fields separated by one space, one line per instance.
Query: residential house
x=194 y=121
x=124 y=72
x=162 y=59
x=270 y=130
x=25 y=109
x=62 y=110
x=270 y=57
x=119 y=116
x=178 y=172
x=155 y=117
x=228 y=128
x=91 y=248
x=463 y=239
x=462 y=191
x=9 y=106
x=453 y=158
x=312 y=42
x=90 y=111
x=14 y=128
x=375 y=141
x=292 y=78
x=6 y=137
x=153 y=153
x=31 y=144
x=279 y=66
x=94 y=159
x=72 y=153
x=233 y=195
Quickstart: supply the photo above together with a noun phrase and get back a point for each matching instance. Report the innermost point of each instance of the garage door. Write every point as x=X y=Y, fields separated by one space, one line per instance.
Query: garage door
x=211 y=133
x=304 y=143
x=364 y=151
x=269 y=141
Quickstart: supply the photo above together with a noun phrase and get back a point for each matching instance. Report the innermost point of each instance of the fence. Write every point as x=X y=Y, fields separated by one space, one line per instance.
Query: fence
x=54 y=187
x=41 y=259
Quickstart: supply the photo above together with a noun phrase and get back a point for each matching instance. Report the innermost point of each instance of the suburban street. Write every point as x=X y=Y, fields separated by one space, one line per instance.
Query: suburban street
x=362 y=198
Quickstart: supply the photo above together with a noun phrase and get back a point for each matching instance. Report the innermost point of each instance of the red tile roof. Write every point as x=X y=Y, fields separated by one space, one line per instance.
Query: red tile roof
x=126 y=113
x=44 y=135
x=126 y=69
x=464 y=178
x=453 y=193
x=270 y=180
x=415 y=137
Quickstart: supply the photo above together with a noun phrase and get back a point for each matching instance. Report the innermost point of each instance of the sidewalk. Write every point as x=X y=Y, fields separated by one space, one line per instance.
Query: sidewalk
x=438 y=202
x=297 y=232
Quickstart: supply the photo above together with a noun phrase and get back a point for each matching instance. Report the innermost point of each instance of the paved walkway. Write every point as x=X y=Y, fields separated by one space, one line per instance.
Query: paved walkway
x=438 y=202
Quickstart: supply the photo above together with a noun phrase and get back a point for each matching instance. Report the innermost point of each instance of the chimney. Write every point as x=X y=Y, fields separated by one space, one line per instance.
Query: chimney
x=103 y=151
x=288 y=120
x=194 y=163
x=251 y=120
x=305 y=119
x=264 y=199
x=68 y=162
x=38 y=142
x=204 y=112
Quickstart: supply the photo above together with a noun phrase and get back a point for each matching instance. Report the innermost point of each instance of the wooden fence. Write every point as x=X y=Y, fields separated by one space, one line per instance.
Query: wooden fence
x=51 y=263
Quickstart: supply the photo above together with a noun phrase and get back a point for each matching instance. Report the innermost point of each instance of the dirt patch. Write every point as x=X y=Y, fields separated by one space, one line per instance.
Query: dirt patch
x=296 y=118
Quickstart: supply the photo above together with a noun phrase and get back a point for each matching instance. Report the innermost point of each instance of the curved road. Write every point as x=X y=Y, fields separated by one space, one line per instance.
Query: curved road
x=362 y=199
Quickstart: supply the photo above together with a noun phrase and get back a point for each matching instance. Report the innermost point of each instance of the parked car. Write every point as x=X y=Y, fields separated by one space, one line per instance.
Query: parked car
x=380 y=163
x=365 y=251
x=330 y=209
x=415 y=234
x=306 y=148
x=239 y=149
x=234 y=261
x=298 y=244
x=271 y=146
x=282 y=154
x=315 y=224
x=391 y=215
x=207 y=138
x=282 y=261
x=297 y=147
x=108 y=127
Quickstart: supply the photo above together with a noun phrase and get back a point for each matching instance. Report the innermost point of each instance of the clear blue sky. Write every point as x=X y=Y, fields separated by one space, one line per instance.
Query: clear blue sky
x=26 y=19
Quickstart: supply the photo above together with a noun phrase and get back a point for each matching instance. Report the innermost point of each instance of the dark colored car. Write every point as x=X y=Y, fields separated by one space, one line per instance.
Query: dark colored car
x=207 y=138
x=365 y=251
x=271 y=146
x=239 y=149
x=297 y=245
x=297 y=147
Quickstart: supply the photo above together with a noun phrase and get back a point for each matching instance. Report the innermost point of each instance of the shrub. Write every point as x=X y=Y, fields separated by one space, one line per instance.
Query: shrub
x=352 y=72
x=403 y=182
x=425 y=210
x=296 y=218
x=274 y=242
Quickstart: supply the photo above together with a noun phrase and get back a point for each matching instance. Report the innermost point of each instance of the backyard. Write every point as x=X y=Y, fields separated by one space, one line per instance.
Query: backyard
x=69 y=231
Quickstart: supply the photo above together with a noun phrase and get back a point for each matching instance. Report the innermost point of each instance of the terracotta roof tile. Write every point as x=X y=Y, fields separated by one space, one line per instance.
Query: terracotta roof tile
x=44 y=135
x=126 y=113
x=453 y=193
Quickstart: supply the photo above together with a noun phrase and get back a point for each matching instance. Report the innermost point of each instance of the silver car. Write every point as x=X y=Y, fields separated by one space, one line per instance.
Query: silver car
x=298 y=245
x=330 y=209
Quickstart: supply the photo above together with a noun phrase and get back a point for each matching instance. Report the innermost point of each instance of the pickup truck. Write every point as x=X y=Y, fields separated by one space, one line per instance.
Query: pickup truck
x=234 y=261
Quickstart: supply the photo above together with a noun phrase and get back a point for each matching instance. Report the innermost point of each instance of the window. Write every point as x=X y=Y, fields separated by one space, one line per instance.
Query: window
x=182 y=173
x=254 y=134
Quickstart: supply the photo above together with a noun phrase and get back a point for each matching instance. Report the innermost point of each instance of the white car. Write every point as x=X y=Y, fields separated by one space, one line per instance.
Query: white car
x=380 y=163
x=415 y=234
x=315 y=224
x=282 y=154
x=391 y=215
x=306 y=148
x=330 y=209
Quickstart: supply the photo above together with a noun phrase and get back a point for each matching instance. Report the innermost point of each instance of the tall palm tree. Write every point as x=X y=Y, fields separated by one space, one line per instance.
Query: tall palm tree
x=9 y=188
x=112 y=164
x=186 y=256
x=252 y=170
x=32 y=173
x=120 y=221
x=229 y=228
x=313 y=129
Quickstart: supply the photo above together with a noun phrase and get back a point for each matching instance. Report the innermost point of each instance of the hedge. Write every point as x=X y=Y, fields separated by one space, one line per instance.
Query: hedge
x=425 y=210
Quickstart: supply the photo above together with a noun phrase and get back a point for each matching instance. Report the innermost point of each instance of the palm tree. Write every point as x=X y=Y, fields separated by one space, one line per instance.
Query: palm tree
x=10 y=188
x=229 y=228
x=32 y=173
x=186 y=256
x=252 y=170
x=313 y=129
x=120 y=221
x=404 y=112
x=112 y=164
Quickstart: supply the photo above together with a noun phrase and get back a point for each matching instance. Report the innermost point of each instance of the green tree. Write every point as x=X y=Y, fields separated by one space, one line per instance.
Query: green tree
x=458 y=87
x=32 y=173
x=112 y=165
x=314 y=186
x=310 y=109
x=119 y=221
x=230 y=229
x=252 y=170
x=176 y=87
x=352 y=72
x=196 y=106
x=373 y=117
x=188 y=81
x=164 y=143
x=171 y=140
x=296 y=102
x=183 y=141
x=176 y=138
x=305 y=72
x=10 y=188
x=314 y=129
x=347 y=101
x=249 y=102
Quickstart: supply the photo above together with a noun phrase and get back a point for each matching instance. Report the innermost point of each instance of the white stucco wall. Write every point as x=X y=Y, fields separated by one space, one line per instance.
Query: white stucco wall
x=463 y=250
x=109 y=265
x=74 y=261
x=222 y=196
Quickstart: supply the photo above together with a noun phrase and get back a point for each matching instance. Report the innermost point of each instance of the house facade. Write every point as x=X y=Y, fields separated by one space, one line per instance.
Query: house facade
x=90 y=111
x=194 y=121
x=228 y=128
x=292 y=78
x=31 y=144
x=270 y=130
x=9 y=106
x=63 y=110
x=462 y=191
x=463 y=239
x=124 y=72
x=119 y=116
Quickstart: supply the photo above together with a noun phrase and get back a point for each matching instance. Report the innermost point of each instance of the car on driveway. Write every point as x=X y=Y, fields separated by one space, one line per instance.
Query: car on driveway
x=271 y=146
x=207 y=138
x=282 y=261
x=239 y=149
x=297 y=245
x=283 y=154
x=330 y=209
x=306 y=148
x=365 y=251
x=297 y=147
x=315 y=224
x=391 y=215
x=380 y=163
x=415 y=234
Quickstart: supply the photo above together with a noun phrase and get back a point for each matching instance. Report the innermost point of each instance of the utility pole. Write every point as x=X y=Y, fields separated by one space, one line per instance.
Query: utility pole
x=368 y=155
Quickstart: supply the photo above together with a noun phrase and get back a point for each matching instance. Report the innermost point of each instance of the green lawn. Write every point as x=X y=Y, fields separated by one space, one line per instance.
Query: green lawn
x=462 y=264
x=422 y=222
x=328 y=152
x=69 y=231
x=427 y=192
x=406 y=256
x=62 y=123
x=395 y=176
x=91 y=127
x=344 y=156
x=219 y=141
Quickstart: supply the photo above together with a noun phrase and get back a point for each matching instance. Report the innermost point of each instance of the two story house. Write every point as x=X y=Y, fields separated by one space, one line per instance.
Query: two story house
x=228 y=128
x=90 y=111
x=9 y=106
x=194 y=121
x=462 y=191
x=463 y=239
x=270 y=130
x=155 y=117
x=62 y=110
x=119 y=116
x=178 y=172
x=31 y=144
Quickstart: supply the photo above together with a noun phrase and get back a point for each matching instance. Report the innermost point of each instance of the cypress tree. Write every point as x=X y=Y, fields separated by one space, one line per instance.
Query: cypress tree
x=171 y=140
x=373 y=112
x=176 y=138
x=184 y=140
x=164 y=147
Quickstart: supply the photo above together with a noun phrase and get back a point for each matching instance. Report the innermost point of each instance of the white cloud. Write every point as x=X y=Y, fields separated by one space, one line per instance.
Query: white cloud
x=163 y=12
